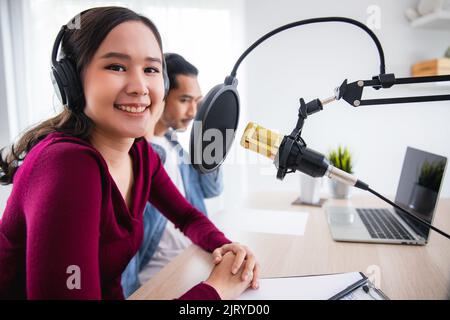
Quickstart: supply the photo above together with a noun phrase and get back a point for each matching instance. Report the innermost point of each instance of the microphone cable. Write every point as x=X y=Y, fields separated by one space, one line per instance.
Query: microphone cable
x=407 y=213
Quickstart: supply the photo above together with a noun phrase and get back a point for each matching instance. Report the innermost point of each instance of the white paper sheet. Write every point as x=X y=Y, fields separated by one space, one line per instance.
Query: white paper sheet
x=320 y=287
x=267 y=221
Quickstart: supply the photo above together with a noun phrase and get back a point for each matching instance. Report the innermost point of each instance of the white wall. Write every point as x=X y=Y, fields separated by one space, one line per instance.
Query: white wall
x=311 y=61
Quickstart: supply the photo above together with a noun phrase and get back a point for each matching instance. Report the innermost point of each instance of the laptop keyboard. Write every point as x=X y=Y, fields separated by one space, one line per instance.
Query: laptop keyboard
x=381 y=224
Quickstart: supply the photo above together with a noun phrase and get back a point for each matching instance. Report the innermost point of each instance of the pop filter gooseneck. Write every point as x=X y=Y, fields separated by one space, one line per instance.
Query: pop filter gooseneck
x=217 y=118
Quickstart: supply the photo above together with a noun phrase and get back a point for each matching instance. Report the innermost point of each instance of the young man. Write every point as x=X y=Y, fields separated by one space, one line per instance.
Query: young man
x=162 y=241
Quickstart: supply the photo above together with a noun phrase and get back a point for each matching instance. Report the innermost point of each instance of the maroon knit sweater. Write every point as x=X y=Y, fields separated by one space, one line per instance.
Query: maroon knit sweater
x=66 y=217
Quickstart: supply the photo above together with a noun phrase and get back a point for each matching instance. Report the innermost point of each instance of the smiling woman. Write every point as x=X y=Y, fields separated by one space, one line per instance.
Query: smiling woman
x=131 y=69
x=81 y=180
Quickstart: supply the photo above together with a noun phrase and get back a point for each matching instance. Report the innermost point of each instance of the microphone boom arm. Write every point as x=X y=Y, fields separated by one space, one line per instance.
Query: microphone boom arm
x=296 y=156
x=352 y=92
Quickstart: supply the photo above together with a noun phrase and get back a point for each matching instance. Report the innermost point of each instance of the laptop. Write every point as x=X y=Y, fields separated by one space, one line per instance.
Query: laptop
x=417 y=192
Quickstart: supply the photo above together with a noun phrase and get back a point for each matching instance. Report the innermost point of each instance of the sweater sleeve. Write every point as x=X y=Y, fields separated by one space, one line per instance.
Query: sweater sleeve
x=165 y=196
x=201 y=291
x=62 y=211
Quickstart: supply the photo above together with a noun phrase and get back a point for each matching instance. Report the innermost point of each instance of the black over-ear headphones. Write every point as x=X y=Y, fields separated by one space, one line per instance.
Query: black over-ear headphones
x=66 y=80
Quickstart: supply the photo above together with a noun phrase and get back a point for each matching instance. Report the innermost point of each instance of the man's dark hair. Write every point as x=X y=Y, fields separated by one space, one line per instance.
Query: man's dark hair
x=177 y=65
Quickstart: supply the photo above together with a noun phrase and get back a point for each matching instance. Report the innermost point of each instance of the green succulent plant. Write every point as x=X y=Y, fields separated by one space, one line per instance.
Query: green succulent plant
x=431 y=175
x=341 y=158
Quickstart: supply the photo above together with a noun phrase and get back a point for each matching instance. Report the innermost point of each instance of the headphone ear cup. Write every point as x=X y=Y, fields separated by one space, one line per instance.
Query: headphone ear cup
x=72 y=88
x=58 y=84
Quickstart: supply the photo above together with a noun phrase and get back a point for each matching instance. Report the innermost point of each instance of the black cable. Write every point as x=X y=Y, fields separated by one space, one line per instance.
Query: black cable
x=408 y=213
x=309 y=21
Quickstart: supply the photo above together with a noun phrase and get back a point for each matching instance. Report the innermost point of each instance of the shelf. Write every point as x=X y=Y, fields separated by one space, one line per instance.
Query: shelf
x=437 y=20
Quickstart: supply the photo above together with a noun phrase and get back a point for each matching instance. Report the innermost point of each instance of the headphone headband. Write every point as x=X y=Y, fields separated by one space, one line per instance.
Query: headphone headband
x=57 y=44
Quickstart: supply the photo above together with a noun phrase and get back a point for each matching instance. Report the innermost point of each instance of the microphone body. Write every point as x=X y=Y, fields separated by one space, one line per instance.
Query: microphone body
x=301 y=158
x=290 y=155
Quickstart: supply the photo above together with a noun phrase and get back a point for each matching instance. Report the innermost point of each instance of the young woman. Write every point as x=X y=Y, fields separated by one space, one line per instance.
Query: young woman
x=74 y=217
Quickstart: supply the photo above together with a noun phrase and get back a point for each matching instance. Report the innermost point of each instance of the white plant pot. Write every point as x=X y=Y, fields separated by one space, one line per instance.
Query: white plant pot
x=310 y=189
x=339 y=190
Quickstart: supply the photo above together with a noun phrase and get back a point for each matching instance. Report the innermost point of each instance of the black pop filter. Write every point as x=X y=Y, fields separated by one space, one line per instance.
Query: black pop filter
x=215 y=126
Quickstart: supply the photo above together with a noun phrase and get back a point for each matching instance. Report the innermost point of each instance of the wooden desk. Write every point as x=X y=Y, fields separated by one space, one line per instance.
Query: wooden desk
x=405 y=272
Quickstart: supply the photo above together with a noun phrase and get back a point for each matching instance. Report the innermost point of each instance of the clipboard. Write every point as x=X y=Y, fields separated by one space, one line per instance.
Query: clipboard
x=338 y=286
x=360 y=290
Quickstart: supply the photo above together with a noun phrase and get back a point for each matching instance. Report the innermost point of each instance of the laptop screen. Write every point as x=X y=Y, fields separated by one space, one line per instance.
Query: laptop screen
x=419 y=186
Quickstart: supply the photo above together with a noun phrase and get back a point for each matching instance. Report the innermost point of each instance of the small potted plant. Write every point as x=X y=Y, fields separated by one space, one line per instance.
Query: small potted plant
x=341 y=159
x=425 y=190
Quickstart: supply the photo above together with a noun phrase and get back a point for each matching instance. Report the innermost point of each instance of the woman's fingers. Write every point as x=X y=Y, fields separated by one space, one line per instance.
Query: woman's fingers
x=248 y=272
x=239 y=259
x=243 y=257
x=217 y=255
x=219 y=252
x=255 y=281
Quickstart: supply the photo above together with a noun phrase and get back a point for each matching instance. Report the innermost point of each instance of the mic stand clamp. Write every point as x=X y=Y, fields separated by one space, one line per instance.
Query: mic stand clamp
x=352 y=92
x=295 y=155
